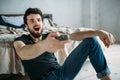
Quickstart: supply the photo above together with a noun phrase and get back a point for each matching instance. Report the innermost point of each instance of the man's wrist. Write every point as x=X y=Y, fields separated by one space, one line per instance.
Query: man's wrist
x=97 y=32
x=42 y=46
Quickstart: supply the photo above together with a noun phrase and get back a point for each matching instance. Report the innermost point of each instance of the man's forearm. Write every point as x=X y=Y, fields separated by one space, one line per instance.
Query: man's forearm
x=83 y=34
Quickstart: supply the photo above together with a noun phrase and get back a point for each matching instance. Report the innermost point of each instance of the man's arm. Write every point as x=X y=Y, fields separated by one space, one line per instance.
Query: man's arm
x=31 y=51
x=104 y=36
x=50 y=44
x=82 y=35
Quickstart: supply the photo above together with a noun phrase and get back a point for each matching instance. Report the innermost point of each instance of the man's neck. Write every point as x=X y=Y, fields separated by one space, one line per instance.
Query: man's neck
x=36 y=39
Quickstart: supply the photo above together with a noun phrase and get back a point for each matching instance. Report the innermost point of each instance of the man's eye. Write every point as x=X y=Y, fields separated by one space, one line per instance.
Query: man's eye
x=39 y=20
x=32 y=21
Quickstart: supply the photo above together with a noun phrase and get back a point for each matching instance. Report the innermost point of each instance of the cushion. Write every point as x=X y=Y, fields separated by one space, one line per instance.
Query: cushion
x=15 y=22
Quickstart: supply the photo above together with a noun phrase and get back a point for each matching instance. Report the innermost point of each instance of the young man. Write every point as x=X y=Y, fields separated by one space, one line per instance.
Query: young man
x=36 y=51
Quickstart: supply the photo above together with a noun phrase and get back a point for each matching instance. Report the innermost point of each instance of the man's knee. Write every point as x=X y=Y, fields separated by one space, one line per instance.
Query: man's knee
x=91 y=40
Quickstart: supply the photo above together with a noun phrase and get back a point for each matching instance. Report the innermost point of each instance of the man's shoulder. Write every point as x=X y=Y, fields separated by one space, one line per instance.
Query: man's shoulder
x=24 y=36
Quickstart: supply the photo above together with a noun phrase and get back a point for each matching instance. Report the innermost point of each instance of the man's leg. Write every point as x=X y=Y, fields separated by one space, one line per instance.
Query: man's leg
x=88 y=48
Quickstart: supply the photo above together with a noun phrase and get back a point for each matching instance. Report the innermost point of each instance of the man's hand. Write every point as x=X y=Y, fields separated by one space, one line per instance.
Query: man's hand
x=51 y=44
x=107 y=38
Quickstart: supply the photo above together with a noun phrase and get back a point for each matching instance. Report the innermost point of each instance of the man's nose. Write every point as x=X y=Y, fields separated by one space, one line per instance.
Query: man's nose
x=36 y=22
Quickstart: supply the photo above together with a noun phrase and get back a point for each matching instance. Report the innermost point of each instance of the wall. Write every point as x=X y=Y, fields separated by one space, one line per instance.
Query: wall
x=103 y=14
x=65 y=12
x=110 y=17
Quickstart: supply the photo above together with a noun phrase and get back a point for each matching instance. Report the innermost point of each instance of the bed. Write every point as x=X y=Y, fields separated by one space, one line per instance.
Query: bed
x=12 y=27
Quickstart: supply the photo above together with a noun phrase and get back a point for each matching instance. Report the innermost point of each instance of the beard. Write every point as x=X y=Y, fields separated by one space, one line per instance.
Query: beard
x=35 y=35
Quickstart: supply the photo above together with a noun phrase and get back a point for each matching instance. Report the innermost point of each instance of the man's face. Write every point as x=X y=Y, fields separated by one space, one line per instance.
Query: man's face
x=35 y=25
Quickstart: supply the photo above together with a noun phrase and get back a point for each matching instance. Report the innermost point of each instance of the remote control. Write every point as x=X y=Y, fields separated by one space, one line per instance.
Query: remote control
x=63 y=37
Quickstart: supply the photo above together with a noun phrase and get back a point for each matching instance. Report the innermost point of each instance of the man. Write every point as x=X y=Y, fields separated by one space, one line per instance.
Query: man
x=36 y=51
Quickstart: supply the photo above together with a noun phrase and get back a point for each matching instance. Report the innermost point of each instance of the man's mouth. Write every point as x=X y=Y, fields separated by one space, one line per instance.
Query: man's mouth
x=36 y=28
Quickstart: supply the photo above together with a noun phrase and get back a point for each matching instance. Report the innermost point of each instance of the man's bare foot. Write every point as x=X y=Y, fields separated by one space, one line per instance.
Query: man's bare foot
x=106 y=78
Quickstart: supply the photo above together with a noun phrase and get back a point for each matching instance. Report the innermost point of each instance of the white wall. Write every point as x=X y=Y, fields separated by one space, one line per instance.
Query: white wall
x=110 y=17
x=102 y=14
x=65 y=12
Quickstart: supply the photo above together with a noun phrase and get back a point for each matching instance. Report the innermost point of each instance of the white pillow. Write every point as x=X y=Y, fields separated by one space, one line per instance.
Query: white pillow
x=16 y=20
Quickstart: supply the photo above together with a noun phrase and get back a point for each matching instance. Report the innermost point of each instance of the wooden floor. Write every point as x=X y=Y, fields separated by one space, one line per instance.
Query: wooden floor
x=113 y=58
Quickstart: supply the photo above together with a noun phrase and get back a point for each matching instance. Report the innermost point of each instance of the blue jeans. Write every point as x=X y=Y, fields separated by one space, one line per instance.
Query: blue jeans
x=89 y=47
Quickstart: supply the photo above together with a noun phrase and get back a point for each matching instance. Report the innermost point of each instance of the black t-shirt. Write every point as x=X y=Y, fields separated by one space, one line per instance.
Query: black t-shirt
x=40 y=65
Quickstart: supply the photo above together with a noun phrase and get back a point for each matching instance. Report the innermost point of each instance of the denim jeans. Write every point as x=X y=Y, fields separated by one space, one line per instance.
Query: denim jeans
x=89 y=47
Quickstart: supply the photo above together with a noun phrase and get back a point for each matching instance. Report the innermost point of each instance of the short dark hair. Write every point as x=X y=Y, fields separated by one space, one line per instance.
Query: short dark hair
x=32 y=11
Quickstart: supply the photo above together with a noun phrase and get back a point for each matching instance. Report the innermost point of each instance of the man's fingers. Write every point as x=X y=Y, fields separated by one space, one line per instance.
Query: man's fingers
x=112 y=38
x=109 y=40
